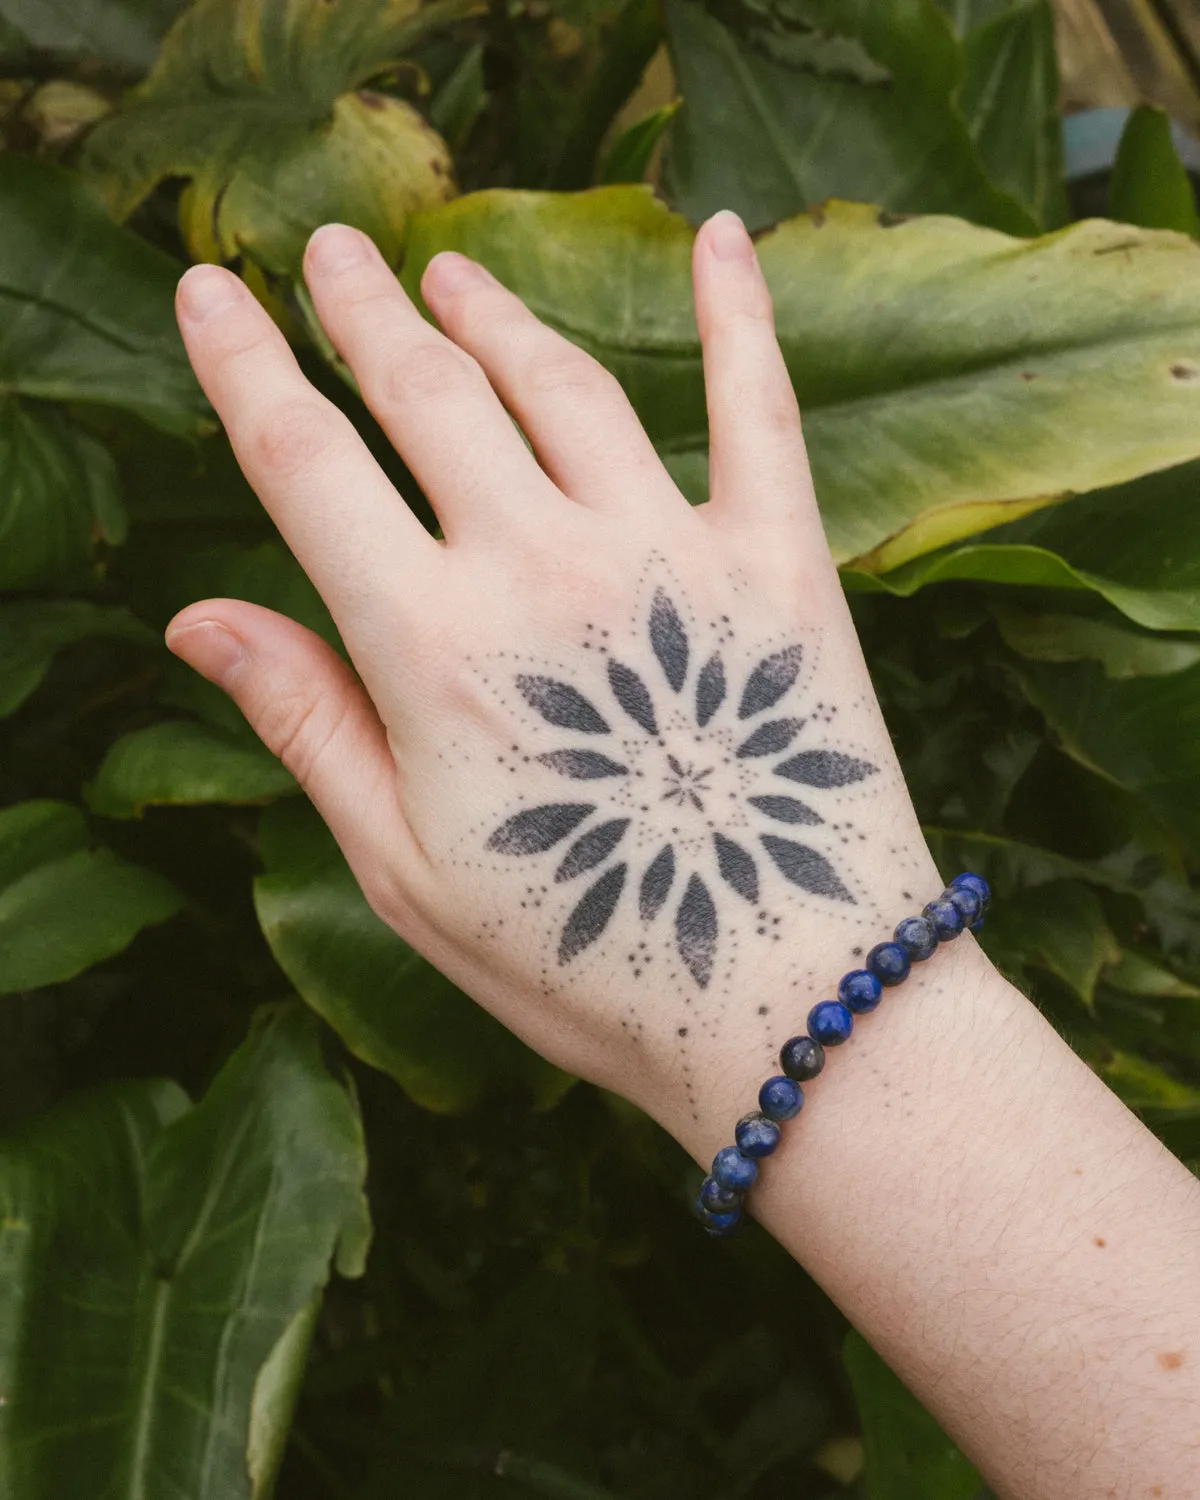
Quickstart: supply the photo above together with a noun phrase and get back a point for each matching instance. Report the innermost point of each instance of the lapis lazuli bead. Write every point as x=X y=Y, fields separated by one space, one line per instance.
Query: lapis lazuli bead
x=715 y=1199
x=946 y=918
x=780 y=1098
x=830 y=1023
x=721 y=1224
x=976 y=924
x=859 y=991
x=801 y=1058
x=968 y=902
x=889 y=963
x=734 y=1171
x=917 y=937
x=974 y=883
x=756 y=1135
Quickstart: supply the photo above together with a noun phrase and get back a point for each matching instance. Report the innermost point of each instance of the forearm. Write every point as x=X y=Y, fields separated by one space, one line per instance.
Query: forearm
x=1002 y=1229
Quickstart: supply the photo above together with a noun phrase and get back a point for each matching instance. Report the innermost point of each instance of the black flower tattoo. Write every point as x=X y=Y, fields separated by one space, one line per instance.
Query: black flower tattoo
x=697 y=778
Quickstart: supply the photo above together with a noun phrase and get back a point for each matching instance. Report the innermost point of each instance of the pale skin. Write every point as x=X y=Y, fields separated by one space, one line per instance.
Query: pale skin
x=1004 y=1231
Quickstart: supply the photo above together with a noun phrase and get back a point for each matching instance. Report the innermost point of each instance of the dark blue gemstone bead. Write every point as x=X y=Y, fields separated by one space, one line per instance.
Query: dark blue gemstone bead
x=720 y=1225
x=889 y=963
x=734 y=1171
x=974 y=883
x=756 y=1135
x=946 y=918
x=967 y=901
x=780 y=1098
x=715 y=1199
x=976 y=924
x=801 y=1058
x=830 y=1023
x=859 y=991
x=917 y=937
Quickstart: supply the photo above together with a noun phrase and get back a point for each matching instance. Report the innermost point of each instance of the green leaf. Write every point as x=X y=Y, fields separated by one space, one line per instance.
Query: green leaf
x=1009 y=95
x=32 y=634
x=1120 y=651
x=391 y=1007
x=65 y=906
x=629 y=155
x=1144 y=1085
x=945 y=371
x=1150 y=185
x=908 y=1456
x=121 y=33
x=790 y=102
x=1136 y=974
x=181 y=763
x=1059 y=927
x=261 y=106
x=1142 y=733
x=156 y=1260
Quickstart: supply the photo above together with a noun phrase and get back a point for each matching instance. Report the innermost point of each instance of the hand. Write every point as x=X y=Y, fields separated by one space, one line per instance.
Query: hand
x=612 y=763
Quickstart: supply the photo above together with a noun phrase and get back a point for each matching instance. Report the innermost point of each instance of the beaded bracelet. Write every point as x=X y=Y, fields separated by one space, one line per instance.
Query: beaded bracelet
x=830 y=1022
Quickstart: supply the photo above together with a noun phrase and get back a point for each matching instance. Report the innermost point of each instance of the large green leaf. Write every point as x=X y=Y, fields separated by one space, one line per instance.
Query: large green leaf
x=63 y=904
x=260 y=105
x=908 y=1456
x=391 y=1008
x=1120 y=651
x=122 y=33
x=183 y=762
x=1059 y=927
x=1150 y=185
x=946 y=372
x=790 y=102
x=32 y=634
x=155 y=1259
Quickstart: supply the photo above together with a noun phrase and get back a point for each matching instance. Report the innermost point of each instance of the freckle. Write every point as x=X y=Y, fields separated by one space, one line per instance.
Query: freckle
x=764 y=1010
x=1169 y=1359
x=1099 y=1242
x=1079 y=1171
x=682 y=1031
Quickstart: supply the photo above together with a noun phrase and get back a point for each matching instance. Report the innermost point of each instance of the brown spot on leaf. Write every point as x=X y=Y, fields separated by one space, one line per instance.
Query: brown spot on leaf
x=888 y=220
x=1169 y=1359
x=1029 y=375
x=1184 y=373
x=371 y=99
x=818 y=216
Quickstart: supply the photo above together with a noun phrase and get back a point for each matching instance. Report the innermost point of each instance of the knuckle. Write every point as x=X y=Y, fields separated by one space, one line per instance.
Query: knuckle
x=288 y=438
x=430 y=372
x=298 y=728
x=565 y=369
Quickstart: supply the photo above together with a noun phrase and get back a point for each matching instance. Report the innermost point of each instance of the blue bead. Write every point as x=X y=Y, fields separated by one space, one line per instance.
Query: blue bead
x=946 y=918
x=830 y=1023
x=780 y=1098
x=801 y=1058
x=976 y=924
x=889 y=962
x=859 y=991
x=974 y=883
x=720 y=1225
x=917 y=937
x=715 y=1199
x=734 y=1171
x=967 y=901
x=756 y=1135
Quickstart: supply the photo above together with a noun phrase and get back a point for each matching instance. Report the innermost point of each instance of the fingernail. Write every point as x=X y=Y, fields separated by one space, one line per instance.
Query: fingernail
x=212 y=649
x=205 y=290
x=455 y=273
x=727 y=237
x=335 y=247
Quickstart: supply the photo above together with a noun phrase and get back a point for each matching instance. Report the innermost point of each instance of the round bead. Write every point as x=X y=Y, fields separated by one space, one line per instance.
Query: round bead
x=715 y=1199
x=801 y=1058
x=946 y=918
x=756 y=1135
x=967 y=901
x=974 y=883
x=734 y=1171
x=830 y=1023
x=859 y=991
x=917 y=937
x=780 y=1098
x=889 y=962
x=976 y=924
x=720 y=1225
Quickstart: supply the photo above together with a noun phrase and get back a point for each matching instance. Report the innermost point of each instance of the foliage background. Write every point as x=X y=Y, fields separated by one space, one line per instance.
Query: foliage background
x=1002 y=412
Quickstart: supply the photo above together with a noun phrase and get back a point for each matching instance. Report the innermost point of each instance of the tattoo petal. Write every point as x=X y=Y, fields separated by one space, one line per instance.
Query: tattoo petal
x=582 y=765
x=769 y=681
x=825 y=769
x=696 y=931
x=561 y=704
x=593 y=914
x=539 y=828
x=710 y=689
x=592 y=849
x=736 y=866
x=786 y=810
x=806 y=868
x=633 y=695
x=770 y=738
x=656 y=883
x=669 y=639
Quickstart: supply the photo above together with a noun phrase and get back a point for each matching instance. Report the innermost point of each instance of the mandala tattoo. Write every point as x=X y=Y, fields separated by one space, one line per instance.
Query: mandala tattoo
x=694 y=776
